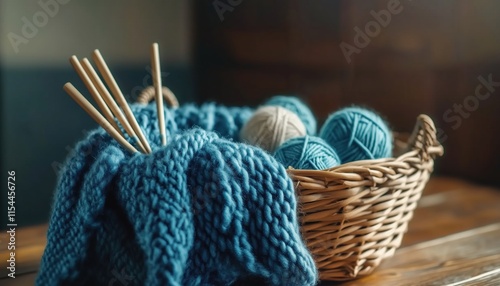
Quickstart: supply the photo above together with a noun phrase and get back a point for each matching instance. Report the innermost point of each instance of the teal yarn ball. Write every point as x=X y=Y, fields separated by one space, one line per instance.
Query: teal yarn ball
x=307 y=152
x=357 y=134
x=298 y=107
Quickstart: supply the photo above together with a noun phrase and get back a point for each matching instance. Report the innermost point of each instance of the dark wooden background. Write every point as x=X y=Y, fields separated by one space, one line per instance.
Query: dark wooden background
x=427 y=59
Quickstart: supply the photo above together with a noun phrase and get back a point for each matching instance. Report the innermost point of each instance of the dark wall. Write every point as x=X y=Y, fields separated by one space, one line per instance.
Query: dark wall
x=41 y=124
x=419 y=57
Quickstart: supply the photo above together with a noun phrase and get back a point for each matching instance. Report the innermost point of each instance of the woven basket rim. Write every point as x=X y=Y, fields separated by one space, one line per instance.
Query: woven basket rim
x=423 y=125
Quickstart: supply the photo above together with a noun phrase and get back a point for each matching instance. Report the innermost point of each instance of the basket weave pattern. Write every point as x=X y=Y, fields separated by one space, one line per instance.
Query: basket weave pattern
x=354 y=215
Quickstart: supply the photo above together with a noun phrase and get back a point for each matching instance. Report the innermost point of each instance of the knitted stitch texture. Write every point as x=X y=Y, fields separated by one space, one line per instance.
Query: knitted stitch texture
x=225 y=121
x=202 y=210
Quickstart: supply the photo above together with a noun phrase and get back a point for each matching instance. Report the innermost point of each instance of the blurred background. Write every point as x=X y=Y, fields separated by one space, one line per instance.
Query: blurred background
x=401 y=58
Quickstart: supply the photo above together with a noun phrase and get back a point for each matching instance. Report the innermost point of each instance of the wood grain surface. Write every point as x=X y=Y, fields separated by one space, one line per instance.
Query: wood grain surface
x=459 y=259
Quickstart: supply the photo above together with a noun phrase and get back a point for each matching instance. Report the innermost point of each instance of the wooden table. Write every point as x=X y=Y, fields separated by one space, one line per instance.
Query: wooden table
x=453 y=239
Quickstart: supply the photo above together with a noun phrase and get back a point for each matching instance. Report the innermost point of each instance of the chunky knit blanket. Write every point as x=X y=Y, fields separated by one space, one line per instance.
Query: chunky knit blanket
x=203 y=210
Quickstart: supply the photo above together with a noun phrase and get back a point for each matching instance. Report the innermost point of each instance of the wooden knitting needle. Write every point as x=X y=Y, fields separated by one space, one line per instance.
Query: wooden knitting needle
x=87 y=106
x=155 y=68
x=93 y=91
x=117 y=93
x=101 y=88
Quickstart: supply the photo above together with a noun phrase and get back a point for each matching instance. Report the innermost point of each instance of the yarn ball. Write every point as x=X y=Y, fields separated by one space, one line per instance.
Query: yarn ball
x=295 y=105
x=270 y=126
x=357 y=134
x=307 y=152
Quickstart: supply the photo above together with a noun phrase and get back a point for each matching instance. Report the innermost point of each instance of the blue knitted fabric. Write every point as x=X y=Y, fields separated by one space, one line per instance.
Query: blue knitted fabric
x=225 y=121
x=202 y=210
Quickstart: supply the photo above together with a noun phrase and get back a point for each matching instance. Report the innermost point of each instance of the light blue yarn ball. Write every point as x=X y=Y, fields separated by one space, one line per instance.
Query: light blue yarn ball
x=307 y=152
x=357 y=134
x=295 y=105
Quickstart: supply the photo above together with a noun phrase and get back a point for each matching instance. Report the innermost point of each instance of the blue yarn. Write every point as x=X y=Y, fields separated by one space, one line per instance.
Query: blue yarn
x=357 y=134
x=148 y=121
x=225 y=121
x=202 y=210
x=247 y=198
x=298 y=107
x=307 y=152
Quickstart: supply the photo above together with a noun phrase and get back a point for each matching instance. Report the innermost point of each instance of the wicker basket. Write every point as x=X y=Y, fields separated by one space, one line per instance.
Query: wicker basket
x=354 y=215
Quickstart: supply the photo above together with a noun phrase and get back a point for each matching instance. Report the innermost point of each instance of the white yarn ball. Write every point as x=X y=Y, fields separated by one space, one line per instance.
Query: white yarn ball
x=270 y=126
